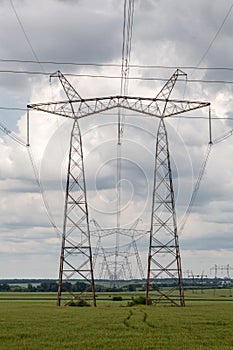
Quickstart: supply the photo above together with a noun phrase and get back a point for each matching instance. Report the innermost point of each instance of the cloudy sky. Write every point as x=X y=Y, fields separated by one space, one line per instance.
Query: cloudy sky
x=170 y=34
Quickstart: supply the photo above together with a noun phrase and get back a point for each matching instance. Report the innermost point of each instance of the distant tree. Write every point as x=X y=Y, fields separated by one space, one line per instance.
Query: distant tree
x=31 y=288
x=66 y=287
x=131 y=287
x=17 y=289
x=5 y=287
x=47 y=287
x=79 y=287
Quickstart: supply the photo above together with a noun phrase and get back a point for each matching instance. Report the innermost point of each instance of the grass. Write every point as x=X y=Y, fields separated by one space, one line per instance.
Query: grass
x=39 y=324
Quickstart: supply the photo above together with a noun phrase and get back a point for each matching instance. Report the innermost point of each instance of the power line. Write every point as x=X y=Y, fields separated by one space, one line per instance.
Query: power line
x=42 y=192
x=116 y=77
x=127 y=43
x=223 y=137
x=125 y=61
x=215 y=36
x=200 y=177
x=95 y=64
x=195 y=190
x=12 y=109
x=25 y=34
x=11 y=134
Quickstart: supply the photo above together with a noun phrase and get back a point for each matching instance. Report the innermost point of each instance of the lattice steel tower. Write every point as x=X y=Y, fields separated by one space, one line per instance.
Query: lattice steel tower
x=164 y=255
x=76 y=254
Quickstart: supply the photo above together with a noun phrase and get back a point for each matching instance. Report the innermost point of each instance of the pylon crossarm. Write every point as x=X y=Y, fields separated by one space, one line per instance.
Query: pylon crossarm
x=71 y=93
x=178 y=107
x=80 y=108
x=123 y=231
x=165 y=92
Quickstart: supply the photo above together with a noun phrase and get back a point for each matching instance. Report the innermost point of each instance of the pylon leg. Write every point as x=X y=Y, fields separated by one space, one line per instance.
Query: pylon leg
x=164 y=275
x=76 y=255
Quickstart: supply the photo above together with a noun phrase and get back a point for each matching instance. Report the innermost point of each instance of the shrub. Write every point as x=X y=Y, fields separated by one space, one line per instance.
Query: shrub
x=116 y=298
x=140 y=300
x=80 y=302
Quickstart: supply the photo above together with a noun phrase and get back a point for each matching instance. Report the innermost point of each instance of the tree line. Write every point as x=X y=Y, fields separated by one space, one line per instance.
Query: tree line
x=66 y=286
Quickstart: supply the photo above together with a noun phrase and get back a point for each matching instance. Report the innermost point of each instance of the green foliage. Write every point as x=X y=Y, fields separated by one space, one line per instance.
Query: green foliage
x=80 y=302
x=52 y=286
x=140 y=300
x=4 y=287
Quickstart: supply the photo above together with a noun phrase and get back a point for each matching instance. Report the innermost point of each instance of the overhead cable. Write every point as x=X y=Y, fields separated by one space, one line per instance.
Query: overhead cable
x=223 y=137
x=179 y=116
x=195 y=190
x=125 y=61
x=96 y=64
x=42 y=192
x=12 y=135
x=13 y=108
x=216 y=34
x=200 y=177
x=25 y=34
x=11 y=71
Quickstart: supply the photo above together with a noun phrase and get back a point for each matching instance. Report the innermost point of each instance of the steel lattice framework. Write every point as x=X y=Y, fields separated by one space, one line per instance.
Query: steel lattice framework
x=76 y=254
x=164 y=255
x=153 y=107
x=128 y=252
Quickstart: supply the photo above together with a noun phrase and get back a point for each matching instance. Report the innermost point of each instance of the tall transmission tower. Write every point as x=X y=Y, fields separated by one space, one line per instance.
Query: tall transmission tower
x=76 y=253
x=164 y=253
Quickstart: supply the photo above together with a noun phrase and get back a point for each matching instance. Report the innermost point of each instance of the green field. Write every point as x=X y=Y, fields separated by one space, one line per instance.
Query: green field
x=31 y=321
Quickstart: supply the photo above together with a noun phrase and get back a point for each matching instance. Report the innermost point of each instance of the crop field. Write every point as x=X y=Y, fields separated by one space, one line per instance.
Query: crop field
x=32 y=321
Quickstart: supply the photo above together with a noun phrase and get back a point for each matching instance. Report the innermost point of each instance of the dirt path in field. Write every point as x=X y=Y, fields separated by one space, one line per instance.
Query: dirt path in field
x=136 y=318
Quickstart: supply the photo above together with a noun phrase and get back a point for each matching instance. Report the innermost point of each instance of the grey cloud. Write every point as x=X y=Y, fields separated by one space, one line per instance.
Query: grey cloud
x=216 y=242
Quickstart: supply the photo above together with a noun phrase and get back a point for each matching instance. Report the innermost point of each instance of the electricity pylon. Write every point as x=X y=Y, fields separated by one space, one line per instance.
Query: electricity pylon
x=76 y=255
x=164 y=254
x=128 y=253
x=76 y=234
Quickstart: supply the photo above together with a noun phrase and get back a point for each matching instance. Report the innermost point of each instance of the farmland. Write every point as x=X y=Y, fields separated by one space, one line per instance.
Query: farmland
x=32 y=321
